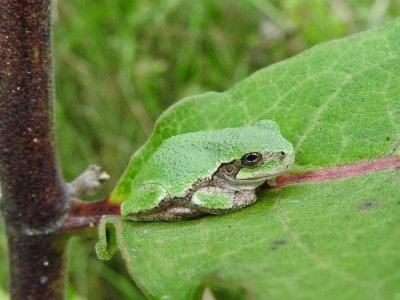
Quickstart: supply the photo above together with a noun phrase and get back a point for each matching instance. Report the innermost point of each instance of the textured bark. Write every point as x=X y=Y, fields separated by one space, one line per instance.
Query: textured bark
x=34 y=203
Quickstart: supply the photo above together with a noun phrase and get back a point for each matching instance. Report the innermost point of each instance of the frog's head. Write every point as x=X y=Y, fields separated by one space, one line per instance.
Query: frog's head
x=254 y=168
x=264 y=155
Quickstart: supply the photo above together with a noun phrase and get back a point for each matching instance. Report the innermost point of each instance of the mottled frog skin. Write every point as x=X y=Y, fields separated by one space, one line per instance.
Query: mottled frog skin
x=205 y=172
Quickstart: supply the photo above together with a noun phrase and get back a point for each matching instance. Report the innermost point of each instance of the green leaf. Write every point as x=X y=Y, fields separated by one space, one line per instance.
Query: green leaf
x=338 y=103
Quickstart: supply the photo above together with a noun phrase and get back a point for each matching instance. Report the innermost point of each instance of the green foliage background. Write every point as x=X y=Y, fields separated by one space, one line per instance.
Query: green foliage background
x=119 y=64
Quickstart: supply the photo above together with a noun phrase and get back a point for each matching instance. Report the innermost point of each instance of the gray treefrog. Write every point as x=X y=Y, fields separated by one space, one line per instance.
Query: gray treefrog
x=206 y=172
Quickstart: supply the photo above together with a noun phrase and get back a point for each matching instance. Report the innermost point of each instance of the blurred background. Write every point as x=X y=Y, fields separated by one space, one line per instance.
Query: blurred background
x=119 y=64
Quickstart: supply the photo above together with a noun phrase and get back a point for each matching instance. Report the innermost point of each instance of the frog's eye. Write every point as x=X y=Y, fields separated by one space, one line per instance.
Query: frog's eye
x=251 y=159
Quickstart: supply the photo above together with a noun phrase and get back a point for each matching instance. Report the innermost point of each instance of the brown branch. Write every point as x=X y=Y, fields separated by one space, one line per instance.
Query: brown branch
x=88 y=214
x=34 y=202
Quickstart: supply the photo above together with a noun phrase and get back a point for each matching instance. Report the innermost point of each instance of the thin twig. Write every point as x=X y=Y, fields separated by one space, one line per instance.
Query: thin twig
x=88 y=182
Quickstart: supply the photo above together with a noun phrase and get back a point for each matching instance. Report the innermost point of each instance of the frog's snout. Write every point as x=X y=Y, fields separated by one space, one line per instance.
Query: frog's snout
x=285 y=158
x=288 y=160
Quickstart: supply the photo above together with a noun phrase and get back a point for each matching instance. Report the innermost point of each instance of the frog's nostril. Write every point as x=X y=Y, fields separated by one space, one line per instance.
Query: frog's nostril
x=282 y=153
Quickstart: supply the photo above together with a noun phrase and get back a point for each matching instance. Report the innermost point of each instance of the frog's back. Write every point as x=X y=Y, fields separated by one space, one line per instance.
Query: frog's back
x=178 y=162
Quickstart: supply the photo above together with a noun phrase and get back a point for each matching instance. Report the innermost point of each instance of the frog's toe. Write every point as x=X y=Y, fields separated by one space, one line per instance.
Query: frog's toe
x=244 y=198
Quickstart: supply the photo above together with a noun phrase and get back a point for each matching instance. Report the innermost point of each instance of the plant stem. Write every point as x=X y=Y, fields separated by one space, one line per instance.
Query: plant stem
x=34 y=202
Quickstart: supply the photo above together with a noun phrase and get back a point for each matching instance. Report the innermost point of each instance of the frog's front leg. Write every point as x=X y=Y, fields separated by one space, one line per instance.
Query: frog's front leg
x=216 y=200
x=145 y=199
x=152 y=202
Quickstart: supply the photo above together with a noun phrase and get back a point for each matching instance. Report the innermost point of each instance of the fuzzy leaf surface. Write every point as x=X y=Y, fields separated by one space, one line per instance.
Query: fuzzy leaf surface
x=338 y=103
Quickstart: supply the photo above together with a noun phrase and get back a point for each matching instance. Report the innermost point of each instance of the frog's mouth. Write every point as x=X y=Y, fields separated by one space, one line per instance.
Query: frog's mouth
x=249 y=183
x=257 y=178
